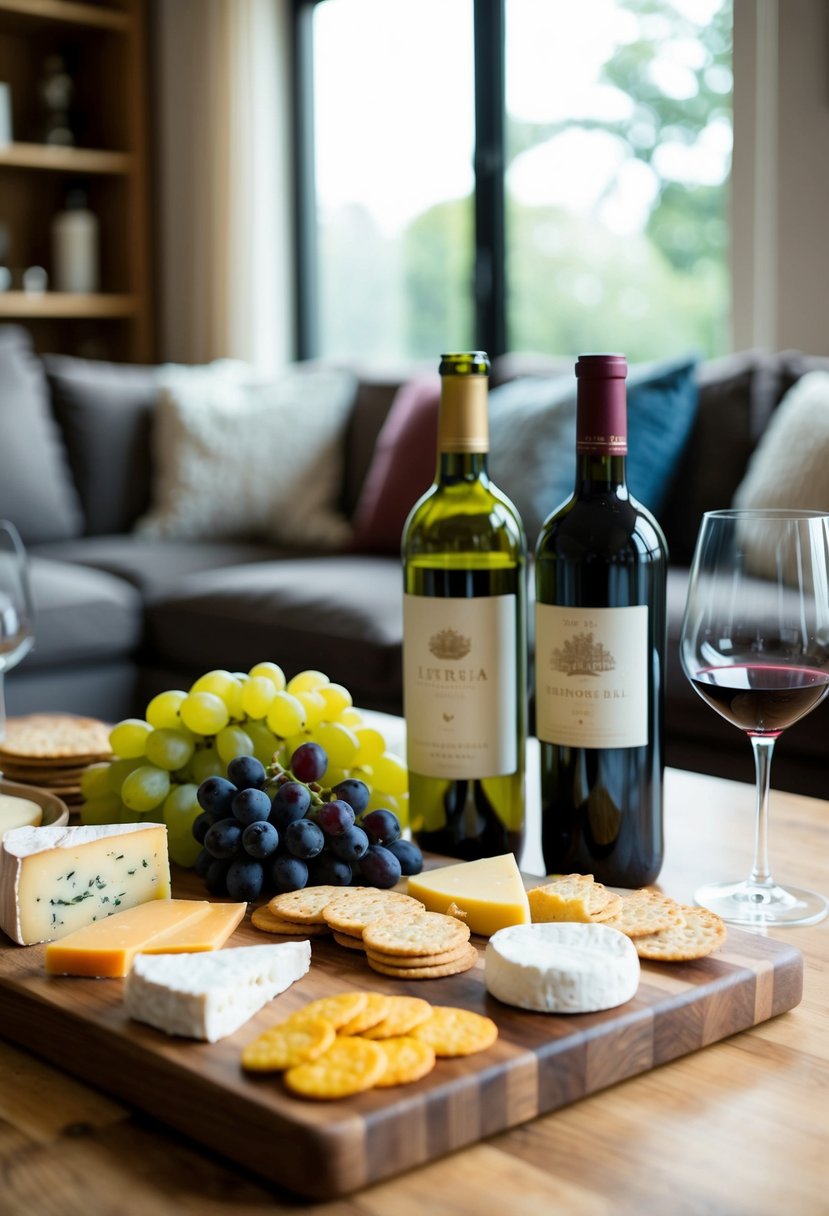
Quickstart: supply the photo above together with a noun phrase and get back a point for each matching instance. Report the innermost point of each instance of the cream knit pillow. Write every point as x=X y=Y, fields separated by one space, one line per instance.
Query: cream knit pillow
x=236 y=456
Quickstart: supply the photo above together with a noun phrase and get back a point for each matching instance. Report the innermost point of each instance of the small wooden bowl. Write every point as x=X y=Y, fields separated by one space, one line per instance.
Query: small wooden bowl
x=55 y=811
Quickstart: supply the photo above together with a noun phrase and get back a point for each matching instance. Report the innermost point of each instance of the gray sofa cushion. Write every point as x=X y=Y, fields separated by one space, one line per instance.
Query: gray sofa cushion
x=36 y=490
x=157 y=566
x=81 y=615
x=105 y=411
x=343 y=616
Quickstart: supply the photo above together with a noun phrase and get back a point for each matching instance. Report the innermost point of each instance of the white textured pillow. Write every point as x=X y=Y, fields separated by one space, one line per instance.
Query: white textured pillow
x=789 y=469
x=790 y=465
x=236 y=456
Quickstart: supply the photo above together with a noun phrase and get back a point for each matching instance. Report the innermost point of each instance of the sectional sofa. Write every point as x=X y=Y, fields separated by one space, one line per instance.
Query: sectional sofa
x=134 y=594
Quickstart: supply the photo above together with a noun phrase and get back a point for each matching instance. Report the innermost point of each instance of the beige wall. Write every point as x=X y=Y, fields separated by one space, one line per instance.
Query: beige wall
x=780 y=179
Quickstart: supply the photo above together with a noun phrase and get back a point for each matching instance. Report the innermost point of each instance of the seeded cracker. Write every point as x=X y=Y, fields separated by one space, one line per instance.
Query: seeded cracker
x=644 y=912
x=352 y=910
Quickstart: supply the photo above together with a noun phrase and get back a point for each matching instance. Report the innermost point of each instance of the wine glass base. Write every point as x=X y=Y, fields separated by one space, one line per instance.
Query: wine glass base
x=747 y=903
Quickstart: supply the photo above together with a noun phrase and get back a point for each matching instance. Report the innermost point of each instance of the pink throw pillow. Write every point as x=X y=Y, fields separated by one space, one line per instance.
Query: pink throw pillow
x=402 y=468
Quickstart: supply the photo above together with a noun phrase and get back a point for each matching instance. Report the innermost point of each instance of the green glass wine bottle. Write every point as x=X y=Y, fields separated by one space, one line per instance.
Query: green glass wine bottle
x=464 y=637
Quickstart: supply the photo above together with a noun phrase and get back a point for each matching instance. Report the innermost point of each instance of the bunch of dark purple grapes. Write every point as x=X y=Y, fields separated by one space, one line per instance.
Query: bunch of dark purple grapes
x=264 y=831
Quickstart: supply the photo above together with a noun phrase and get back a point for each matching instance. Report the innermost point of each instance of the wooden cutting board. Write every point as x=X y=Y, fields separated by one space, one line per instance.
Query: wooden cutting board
x=323 y=1150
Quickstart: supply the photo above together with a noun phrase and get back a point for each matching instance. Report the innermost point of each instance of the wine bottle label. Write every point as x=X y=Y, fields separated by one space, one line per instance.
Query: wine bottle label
x=591 y=676
x=459 y=685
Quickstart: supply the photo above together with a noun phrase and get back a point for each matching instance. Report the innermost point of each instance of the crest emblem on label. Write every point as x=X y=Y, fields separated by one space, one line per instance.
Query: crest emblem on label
x=448 y=644
x=581 y=655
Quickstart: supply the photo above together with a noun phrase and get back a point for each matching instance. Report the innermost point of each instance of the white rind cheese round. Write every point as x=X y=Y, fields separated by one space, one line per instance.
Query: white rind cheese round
x=561 y=968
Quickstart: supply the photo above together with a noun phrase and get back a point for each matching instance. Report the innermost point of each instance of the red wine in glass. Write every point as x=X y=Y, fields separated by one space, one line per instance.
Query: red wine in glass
x=761 y=698
x=755 y=646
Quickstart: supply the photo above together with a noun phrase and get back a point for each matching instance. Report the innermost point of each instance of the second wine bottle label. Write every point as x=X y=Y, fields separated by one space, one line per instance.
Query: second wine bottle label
x=459 y=685
x=591 y=675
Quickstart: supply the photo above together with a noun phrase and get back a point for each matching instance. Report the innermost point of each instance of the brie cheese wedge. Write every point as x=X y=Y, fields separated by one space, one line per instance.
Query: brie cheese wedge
x=208 y=996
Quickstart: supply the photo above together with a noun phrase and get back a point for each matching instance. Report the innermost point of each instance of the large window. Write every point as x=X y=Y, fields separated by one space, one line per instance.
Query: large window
x=516 y=174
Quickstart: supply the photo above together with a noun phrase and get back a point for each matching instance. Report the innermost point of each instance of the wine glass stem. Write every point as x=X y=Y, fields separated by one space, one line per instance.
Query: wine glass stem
x=763 y=748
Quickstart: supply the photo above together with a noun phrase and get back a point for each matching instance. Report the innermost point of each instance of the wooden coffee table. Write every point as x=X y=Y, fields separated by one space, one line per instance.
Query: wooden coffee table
x=738 y=1126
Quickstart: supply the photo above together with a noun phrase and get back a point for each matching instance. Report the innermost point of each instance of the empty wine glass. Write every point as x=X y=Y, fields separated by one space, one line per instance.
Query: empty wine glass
x=755 y=646
x=16 y=612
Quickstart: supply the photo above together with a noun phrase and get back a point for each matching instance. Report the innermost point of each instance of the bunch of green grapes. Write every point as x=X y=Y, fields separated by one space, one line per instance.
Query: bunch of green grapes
x=185 y=737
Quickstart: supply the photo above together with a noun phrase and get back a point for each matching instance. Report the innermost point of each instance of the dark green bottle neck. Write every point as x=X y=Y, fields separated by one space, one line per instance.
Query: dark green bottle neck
x=455 y=467
x=600 y=475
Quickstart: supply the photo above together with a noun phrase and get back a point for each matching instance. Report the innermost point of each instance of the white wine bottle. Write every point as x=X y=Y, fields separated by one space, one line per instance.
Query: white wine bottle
x=601 y=566
x=464 y=637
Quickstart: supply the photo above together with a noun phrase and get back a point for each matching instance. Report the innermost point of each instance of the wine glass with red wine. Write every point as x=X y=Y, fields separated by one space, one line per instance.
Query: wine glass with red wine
x=755 y=646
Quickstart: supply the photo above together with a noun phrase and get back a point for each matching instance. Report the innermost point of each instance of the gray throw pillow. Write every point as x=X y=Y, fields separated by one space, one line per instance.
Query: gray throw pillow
x=105 y=411
x=36 y=489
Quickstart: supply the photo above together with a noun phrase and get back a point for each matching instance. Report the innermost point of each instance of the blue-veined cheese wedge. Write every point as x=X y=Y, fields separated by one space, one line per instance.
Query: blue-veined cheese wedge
x=55 y=879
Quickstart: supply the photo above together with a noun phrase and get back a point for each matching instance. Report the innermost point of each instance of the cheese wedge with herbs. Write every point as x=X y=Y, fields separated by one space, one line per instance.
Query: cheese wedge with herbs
x=108 y=948
x=490 y=892
x=208 y=996
x=54 y=880
x=18 y=813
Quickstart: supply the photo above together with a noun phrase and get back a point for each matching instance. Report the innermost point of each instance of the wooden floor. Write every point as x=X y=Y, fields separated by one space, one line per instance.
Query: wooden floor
x=739 y=1128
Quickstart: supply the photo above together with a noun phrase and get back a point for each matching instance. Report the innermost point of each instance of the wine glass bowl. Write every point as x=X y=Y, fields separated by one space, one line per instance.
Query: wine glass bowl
x=16 y=609
x=755 y=647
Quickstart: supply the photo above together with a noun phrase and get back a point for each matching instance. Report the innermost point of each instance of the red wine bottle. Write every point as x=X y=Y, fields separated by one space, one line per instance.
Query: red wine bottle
x=601 y=565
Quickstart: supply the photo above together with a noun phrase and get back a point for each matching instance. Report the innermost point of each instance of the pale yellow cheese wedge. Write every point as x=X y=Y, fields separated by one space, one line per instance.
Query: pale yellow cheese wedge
x=490 y=892
x=18 y=813
x=107 y=947
x=208 y=932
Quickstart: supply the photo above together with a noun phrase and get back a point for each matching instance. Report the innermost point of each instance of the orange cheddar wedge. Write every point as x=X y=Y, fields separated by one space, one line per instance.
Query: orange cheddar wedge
x=207 y=932
x=107 y=947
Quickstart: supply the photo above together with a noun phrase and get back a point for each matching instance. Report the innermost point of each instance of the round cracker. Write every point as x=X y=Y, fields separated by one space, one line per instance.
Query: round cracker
x=464 y=962
x=430 y=933
x=456 y=1032
x=407 y=1060
x=349 y=1066
x=418 y=960
x=338 y=1009
x=348 y=941
x=372 y=1013
x=351 y=911
x=404 y=1014
x=304 y=906
x=264 y=920
x=56 y=736
x=644 y=912
x=698 y=933
x=287 y=1044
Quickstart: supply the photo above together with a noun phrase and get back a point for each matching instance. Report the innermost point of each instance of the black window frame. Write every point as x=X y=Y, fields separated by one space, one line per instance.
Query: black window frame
x=489 y=259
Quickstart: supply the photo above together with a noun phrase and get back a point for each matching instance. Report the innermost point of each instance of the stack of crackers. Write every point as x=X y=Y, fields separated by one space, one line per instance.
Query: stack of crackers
x=354 y=1041
x=660 y=928
x=51 y=751
x=395 y=932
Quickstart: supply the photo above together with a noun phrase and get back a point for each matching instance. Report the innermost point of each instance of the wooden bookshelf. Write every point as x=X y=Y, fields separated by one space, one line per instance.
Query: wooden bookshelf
x=104 y=45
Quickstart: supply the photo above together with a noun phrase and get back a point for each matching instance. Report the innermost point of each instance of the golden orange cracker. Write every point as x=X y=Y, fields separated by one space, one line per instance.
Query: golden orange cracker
x=338 y=1009
x=373 y=1012
x=349 y=1066
x=407 y=1060
x=287 y=1044
x=403 y=1015
x=456 y=1032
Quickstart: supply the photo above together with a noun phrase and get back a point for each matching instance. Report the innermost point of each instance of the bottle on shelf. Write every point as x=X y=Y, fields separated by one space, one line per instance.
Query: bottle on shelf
x=464 y=637
x=601 y=566
x=75 y=245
